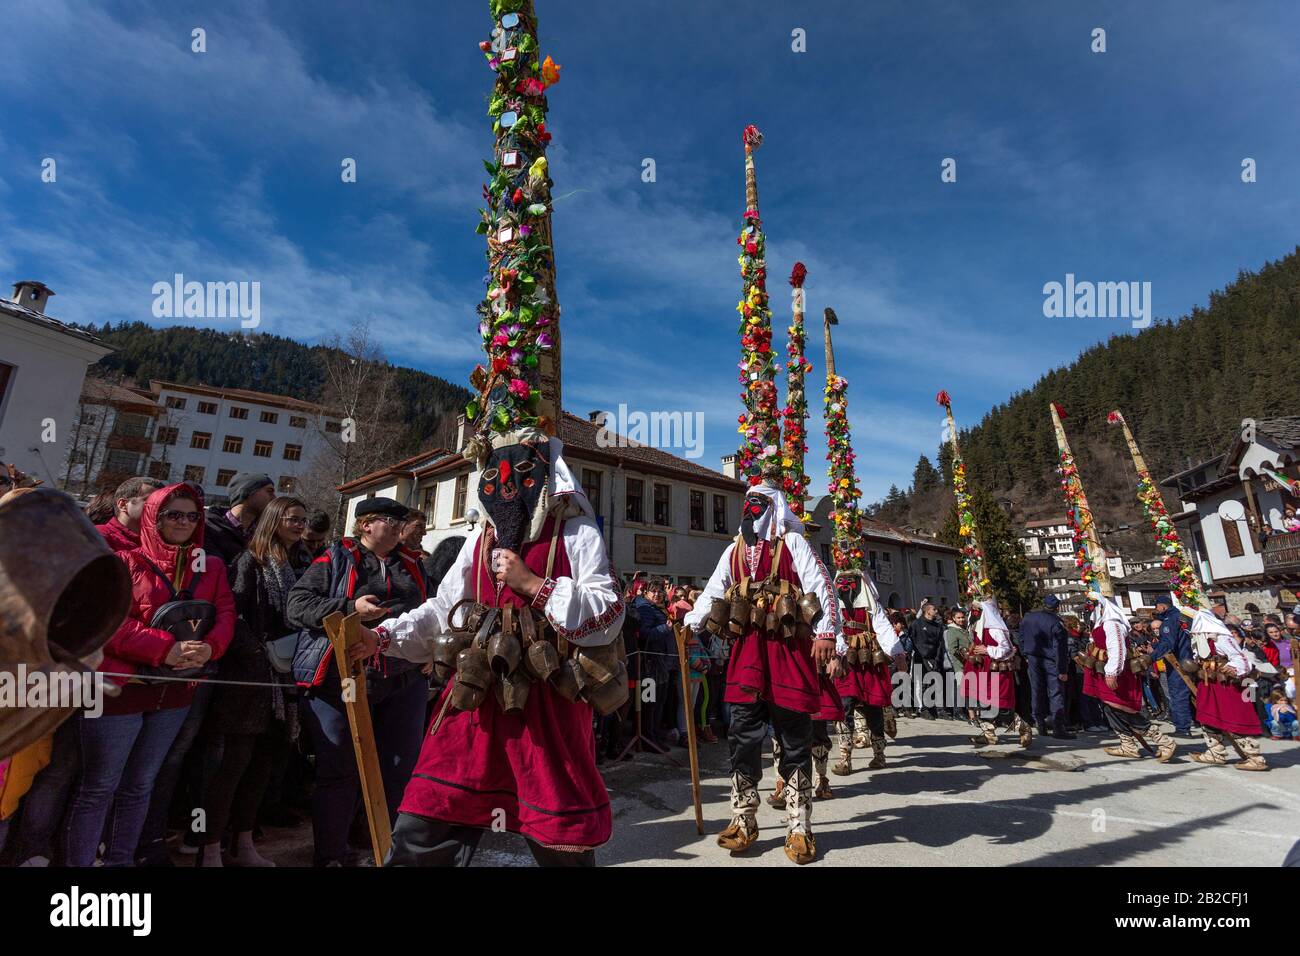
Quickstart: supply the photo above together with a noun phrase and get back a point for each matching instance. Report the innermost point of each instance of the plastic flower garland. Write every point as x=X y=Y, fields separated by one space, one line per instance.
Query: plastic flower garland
x=1182 y=581
x=759 y=428
x=1080 y=521
x=794 y=481
x=972 y=561
x=846 y=539
x=519 y=315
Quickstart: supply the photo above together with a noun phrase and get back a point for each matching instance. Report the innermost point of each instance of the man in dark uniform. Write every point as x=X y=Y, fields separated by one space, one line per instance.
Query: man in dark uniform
x=1045 y=644
x=1174 y=640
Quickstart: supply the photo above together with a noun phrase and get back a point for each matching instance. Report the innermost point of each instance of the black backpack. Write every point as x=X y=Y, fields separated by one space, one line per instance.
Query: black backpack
x=186 y=618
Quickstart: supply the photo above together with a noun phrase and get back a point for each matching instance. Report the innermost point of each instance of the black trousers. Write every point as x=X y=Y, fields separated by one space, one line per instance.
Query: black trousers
x=421 y=841
x=1124 y=724
x=875 y=715
x=748 y=728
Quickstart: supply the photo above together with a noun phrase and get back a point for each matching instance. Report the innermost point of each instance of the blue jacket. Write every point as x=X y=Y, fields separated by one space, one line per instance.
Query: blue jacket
x=657 y=642
x=1173 y=637
x=1043 y=635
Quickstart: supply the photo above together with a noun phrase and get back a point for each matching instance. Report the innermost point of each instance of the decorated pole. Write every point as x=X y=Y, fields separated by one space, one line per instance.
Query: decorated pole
x=520 y=315
x=794 y=417
x=760 y=429
x=1184 y=581
x=1089 y=557
x=974 y=575
x=846 y=537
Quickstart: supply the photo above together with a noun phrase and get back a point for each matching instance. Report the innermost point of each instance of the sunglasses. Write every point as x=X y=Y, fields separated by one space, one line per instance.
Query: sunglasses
x=188 y=517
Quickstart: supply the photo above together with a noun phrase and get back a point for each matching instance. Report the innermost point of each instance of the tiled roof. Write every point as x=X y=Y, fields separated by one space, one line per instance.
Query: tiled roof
x=1282 y=431
x=97 y=391
x=10 y=307
x=1147 y=578
x=406 y=468
x=880 y=531
x=1046 y=523
x=581 y=433
x=245 y=395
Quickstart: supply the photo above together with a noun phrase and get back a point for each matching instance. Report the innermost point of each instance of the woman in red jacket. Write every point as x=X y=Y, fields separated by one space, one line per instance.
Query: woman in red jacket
x=122 y=750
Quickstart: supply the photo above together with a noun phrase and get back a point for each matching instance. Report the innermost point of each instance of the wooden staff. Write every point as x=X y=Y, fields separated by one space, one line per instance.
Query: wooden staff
x=682 y=635
x=343 y=633
x=1083 y=517
x=1144 y=477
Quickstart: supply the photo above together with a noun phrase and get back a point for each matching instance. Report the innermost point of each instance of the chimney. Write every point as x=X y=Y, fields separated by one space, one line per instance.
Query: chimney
x=597 y=417
x=460 y=433
x=32 y=295
x=729 y=466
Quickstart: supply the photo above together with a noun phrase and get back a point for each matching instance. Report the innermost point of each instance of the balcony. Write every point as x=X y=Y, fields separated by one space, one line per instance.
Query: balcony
x=1282 y=554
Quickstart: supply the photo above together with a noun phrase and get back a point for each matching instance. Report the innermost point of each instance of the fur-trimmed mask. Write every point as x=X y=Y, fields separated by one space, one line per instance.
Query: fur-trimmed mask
x=751 y=512
x=511 y=487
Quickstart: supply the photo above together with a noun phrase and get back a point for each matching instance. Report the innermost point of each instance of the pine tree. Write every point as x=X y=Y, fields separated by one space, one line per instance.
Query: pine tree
x=1004 y=560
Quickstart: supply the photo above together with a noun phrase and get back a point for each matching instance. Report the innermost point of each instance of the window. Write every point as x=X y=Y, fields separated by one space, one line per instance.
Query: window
x=269 y=418
x=175 y=402
x=458 y=500
x=720 y=514
x=122 y=462
x=591 y=487
x=663 y=508
x=262 y=448
x=207 y=408
x=1232 y=536
x=133 y=426
x=237 y=412
x=167 y=435
x=938 y=568
x=286 y=484
x=194 y=474
x=232 y=444
x=697 y=510
x=297 y=421
x=925 y=567
x=201 y=440
x=430 y=507
x=635 y=493
x=871 y=561
x=334 y=427
x=224 y=476
x=292 y=452
x=78 y=456
x=6 y=373
x=161 y=470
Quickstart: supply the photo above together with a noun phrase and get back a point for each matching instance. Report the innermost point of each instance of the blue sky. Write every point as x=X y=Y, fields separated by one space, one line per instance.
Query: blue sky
x=1119 y=166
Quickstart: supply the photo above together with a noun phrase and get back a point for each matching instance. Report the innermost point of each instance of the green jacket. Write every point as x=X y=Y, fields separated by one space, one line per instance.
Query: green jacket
x=958 y=641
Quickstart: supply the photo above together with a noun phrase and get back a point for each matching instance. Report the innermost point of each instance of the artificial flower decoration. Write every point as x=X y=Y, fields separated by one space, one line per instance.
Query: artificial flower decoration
x=516 y=306
x=975 y=582
x=795 y=414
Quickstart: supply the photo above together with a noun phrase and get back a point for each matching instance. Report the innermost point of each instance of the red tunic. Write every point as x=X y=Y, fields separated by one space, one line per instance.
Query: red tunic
x=829 y=706
x=988 y=687
x=767 y=666
x=1222 y=707
x=1127 y=694
x=869 y=684
x=535 y=772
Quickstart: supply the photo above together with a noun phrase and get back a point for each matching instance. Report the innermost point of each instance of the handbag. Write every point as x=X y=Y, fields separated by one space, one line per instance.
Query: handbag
x=185 y=618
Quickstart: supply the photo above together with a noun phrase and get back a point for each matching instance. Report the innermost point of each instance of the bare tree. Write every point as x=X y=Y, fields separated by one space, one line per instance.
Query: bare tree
x=360 y=385
x=90 y=430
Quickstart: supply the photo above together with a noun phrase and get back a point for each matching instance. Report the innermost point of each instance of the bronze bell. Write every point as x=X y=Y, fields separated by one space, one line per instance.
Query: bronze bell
x=810 y=608
x=785 y=610
x=473 y=676
x=56 y=609
x=565 y=681
x=445 y=648
x=740 y=612
x=513 y=692
x=504 y=653
x=611 y=695
x=716 y=622
x=542 y=660
x=598 y=664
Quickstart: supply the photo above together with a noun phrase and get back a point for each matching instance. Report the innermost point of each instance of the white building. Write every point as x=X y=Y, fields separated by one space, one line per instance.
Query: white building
x=211 y=434
x=112 y=437
x=42 y=366
x=661 y=514
x=907 y=567
x=1233 y=512
x=1049 y=537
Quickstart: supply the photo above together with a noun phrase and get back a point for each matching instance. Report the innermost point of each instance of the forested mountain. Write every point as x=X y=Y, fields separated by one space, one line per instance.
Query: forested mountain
x=1184 y=387
x=271 y=363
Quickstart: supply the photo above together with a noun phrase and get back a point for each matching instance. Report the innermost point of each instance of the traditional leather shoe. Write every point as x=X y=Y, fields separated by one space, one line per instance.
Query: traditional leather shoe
x=1121 y=752
x=777 y=797
x=1251 y=763
x=1026 y=736
x=823 y=791
x=843 y=768
x=1166 y=752
x=891 y=723
x=736 y=838
x=1201 y=757
x=801 y=848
